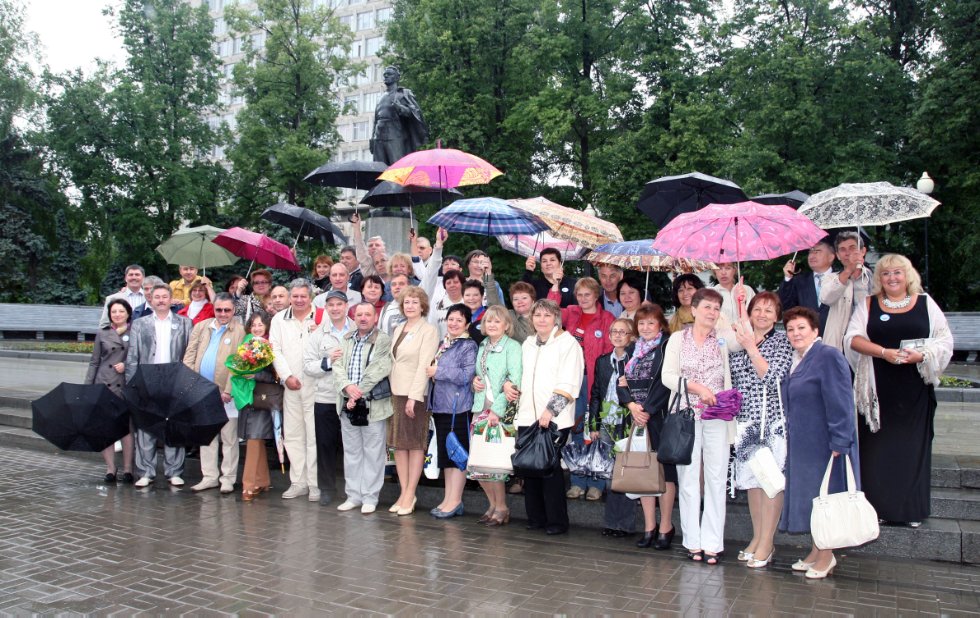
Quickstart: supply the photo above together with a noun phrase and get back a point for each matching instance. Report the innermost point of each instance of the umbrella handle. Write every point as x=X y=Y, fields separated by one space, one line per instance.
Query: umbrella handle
x=250 y=269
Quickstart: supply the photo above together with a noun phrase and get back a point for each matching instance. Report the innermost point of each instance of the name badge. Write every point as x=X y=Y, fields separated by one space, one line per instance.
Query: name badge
x=721 y=341
x=884 y=317
x=598 y=334
x=565 y=290
x=173 y=326
x=227 y=340
x=125 y=337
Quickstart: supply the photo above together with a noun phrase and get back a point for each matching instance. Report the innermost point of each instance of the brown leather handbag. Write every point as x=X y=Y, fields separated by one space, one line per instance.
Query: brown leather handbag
x=638 y=472
x=267 y=396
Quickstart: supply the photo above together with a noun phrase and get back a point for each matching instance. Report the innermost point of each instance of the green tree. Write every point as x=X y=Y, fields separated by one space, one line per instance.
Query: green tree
x=291 y=87
x=134 y=141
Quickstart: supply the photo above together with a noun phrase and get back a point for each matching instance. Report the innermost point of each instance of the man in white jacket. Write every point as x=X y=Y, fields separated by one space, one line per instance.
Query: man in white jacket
x=288 y=335
x=842 y=291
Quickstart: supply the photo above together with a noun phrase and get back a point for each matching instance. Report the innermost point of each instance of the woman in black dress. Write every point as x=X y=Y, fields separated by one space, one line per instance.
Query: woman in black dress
x=899 y=344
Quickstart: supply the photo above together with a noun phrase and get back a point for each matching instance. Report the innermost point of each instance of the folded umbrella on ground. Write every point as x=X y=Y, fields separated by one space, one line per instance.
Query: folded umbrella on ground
x=80 y=417
x=176 y=404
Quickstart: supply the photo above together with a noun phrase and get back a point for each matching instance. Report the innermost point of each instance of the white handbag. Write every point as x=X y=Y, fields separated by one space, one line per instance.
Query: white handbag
x=763 y=462
x=490 y=451
x=844 y=519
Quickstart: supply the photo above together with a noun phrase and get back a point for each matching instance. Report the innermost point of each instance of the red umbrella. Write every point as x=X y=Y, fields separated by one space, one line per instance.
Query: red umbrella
x=257 y=247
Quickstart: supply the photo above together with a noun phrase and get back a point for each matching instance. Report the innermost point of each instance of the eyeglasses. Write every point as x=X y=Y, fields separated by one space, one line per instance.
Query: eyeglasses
x=216 y=310
x=619 y=332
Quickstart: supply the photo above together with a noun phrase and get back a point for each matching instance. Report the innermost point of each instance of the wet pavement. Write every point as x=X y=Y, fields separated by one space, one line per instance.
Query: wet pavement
x=69 y=544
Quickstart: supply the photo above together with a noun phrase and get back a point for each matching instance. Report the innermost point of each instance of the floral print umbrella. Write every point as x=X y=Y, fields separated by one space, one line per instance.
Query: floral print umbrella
x=570 y=224
x=866 y=203
x=640 y=255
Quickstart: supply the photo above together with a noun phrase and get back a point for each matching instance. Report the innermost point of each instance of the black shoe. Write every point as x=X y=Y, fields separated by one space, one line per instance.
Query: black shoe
x=127 y=477
x=325 y=498
x=664 y=540
x=620 y=534
x=608 y=532
x=534 y=526
x=552 y=530
x=647 y=539
x=109 y=477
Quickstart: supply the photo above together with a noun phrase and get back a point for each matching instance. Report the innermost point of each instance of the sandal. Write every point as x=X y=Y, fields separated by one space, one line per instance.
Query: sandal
x=712 y=559
x=249 y=495
x=696 y=556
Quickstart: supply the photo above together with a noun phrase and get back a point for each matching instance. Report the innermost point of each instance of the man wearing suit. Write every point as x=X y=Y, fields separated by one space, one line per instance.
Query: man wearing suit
x=155 y=339
x=803 y=289
x=212 y=342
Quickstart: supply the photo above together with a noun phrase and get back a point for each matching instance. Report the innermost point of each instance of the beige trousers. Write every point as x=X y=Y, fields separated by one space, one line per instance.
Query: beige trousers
x=299 y=434
x=227 y=440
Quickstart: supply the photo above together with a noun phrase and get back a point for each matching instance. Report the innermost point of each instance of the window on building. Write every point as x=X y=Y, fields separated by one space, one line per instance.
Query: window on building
x=220 y=27
x=346 y=20
x=356 y=49
x=371 y=100
x=215 y=5
x=353 y=2
x=359 y=131
x=373 y=45
x=238 y=45
x=363 y=79
x=229 y=71
x=345 y=131
x=384 y=15
x=365 y=21
x=352 y=102
x=258 y=40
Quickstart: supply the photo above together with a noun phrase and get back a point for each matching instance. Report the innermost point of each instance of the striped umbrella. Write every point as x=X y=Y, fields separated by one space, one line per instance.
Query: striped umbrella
x=570 y=224
x=486 y=216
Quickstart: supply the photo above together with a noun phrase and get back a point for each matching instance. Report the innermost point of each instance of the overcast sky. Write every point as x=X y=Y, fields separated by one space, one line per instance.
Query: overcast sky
x=73 y=33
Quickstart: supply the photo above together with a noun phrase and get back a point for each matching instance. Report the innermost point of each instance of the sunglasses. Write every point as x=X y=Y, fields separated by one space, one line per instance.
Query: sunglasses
x=223 y=310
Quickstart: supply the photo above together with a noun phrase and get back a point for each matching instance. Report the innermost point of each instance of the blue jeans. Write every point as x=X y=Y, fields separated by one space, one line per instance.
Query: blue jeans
x=581 y=408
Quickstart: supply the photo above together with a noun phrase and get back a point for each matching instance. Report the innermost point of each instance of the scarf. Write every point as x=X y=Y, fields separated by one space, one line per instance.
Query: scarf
x=643 y=347
x=195 y=308
x=611 y=413
x=447 y=342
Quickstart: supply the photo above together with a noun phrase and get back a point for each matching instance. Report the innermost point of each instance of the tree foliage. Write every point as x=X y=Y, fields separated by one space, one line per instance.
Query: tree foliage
x=291 y=86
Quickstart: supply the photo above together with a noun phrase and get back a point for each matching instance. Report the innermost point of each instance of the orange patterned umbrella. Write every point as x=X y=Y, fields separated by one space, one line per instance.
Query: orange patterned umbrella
x=570 y=224
x=444 y=168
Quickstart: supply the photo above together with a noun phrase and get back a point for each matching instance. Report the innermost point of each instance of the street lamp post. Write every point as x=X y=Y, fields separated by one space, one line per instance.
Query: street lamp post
x=927 y=186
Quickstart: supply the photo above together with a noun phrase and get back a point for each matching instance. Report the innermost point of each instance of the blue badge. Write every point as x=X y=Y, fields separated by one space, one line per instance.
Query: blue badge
x=721 y=341
x=884 y=317
x=565 y=290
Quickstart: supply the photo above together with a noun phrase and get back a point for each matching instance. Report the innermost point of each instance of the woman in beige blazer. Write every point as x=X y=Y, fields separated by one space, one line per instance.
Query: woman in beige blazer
x=414 y=348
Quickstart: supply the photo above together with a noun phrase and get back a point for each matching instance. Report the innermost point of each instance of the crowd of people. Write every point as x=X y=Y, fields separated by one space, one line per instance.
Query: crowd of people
x=373 y=350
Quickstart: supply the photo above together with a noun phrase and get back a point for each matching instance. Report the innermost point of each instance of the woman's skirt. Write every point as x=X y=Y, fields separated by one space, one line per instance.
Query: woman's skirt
x=254 y=424
x=406 y=433
x=444 y=426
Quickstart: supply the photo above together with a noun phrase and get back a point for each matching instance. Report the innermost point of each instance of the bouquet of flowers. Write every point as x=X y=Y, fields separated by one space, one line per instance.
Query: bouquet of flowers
x=251 y=357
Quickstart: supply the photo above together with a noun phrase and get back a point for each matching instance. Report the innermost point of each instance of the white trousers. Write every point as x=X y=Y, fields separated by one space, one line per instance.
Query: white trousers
x=299 y=434
x=227 y=440
x=711 y=449
x=365 y=453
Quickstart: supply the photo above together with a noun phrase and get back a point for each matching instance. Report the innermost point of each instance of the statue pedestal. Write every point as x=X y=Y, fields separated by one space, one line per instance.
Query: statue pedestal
x=391 y=224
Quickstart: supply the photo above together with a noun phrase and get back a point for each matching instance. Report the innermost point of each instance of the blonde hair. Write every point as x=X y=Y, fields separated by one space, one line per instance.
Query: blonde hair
x=403 y=258
x=628 y=324
x=590 y=284
x=913 y=283
x=414 y=291
x=497 y=312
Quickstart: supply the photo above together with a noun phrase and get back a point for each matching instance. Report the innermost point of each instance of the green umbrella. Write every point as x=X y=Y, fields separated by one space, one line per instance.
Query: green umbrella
x=193 y=247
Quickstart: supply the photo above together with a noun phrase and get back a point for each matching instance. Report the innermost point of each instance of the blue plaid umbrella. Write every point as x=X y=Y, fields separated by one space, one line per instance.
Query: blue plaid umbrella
x=486 y=216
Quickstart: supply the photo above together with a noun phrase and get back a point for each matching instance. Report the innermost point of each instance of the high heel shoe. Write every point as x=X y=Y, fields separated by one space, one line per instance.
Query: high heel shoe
x=402 y=512
x=752 y=563
x=394 y=508
x=746 y=556
x=801 y=566
x=647 y=539
x=456 y=512
x=812 y=573
x=499 y=518
x=486 y=516
x=665 y=539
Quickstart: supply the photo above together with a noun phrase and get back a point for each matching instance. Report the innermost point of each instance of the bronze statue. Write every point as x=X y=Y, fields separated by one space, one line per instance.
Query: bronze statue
x=398 y=125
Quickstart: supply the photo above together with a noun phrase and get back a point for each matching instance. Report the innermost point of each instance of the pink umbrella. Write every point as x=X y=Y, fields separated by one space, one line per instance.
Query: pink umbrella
x=439 y=167
x=257 y=247
x=735 y=232
x=532 y=244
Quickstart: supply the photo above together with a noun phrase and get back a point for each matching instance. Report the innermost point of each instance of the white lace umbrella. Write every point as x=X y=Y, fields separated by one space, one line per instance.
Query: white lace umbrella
x=866 y=203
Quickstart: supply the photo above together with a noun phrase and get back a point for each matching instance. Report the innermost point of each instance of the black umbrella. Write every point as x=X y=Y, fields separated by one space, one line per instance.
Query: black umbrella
x=794 y=199
x=350 y=174
x=665 y=198
x=176 y=404
x=388 y=194
x=80 y=417
x=304 y=222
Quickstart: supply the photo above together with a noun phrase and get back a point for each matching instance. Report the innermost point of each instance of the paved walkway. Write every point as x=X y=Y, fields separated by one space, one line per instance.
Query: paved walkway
x=69 y=544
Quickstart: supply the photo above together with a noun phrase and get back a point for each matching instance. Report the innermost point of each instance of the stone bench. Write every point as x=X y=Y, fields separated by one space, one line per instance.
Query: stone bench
x=40 y=319
x=965 y=326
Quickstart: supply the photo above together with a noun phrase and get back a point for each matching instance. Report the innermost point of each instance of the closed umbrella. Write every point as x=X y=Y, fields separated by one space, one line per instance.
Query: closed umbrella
x=665 y=198
x=193 y=247
x=258 y=248
x=80 y=417
x=867 y=203
x=175 y=404
x=304 y=222
x=570 y=224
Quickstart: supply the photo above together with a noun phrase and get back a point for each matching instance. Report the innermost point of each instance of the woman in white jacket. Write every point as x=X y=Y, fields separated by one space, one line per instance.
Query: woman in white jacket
x=700 y=355
x=552 y=377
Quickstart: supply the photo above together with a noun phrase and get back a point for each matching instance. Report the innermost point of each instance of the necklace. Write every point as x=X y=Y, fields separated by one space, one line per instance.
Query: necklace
x=897 y=304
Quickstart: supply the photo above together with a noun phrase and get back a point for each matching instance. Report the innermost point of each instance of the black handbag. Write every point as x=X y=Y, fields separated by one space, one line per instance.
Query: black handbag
x=381 y=390
x=267 y=396
x=536 y=454
x=677 y=436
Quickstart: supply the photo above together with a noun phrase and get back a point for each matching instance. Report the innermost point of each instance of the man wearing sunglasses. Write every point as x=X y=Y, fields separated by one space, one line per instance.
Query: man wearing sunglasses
x=212 y=342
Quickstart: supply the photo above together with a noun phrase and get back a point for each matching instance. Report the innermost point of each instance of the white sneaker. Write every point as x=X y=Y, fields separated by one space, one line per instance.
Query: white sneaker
x=176 y=481
x=347 y=505
x=143 y=482
x=227 y=488
x=295 y=491
x=314 y=495
x=367 y=509
x=203 y=485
